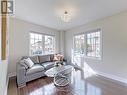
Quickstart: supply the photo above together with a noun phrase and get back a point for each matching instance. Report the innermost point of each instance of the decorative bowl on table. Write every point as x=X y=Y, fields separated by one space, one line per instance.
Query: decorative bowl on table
x=59 y=65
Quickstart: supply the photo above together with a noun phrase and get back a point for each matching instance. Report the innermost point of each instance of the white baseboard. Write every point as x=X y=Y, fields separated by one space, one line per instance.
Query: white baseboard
x=6 y=88
x=113 y=77
x=12 y=74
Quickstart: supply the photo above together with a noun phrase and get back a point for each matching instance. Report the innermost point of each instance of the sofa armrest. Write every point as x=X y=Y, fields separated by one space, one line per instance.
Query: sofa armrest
x=21 y=75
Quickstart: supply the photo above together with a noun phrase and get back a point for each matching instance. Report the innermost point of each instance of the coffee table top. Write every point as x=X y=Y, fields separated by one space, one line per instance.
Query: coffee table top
x=55 y=70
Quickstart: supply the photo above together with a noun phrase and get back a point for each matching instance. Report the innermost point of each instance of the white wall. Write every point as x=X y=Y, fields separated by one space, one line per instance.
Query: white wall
x=62 y=42
x=0 y=38
x=19 y=40
x=114 y=29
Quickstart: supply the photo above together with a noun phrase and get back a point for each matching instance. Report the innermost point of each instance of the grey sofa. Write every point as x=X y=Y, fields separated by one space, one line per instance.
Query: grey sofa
x=42 y=63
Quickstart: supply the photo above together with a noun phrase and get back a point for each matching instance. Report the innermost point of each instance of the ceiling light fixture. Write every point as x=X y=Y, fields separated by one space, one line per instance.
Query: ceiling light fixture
x=66 y=17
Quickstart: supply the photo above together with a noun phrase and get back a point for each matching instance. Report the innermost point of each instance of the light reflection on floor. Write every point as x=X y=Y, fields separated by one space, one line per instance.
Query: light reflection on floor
x=45 y=90
x=82 y=87
x=79 y=82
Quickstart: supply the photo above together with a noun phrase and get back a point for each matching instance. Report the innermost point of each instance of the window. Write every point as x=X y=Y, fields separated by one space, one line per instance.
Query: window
x=49 y=44
x=88 y=43
x=41 y=44
x=35 y=44
x=79 y=44
x=93 y=47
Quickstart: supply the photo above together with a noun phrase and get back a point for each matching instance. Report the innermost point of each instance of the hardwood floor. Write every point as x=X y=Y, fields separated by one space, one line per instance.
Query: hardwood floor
x=81 y=85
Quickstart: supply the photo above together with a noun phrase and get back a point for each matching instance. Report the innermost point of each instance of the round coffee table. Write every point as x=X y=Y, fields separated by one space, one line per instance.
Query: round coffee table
x=60 y=74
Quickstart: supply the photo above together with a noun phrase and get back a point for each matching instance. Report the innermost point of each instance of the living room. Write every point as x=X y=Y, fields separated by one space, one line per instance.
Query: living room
x=64 y=47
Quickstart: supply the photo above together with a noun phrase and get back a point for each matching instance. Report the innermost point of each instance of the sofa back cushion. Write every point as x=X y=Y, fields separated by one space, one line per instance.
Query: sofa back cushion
x=52 y=57
x=33 y=58
x=44 y=58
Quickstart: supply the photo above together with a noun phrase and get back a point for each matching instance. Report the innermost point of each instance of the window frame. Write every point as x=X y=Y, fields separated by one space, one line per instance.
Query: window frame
x=101 y=40
x=34 y=41
x=43 y=39
x=53 y=42
x=85 y=43
x=74 y=42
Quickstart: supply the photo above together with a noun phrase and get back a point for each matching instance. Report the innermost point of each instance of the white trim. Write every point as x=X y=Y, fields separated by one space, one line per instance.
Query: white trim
x=113 y=77
x=6 y=88
x=13 y=74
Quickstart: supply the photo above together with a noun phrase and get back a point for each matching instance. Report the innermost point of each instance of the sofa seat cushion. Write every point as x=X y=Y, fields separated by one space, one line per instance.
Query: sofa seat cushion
x=48 y=65
x=34 y=69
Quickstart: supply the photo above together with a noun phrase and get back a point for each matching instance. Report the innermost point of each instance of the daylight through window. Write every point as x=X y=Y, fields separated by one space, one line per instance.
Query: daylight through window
x=41 y=44
x=79 y=44
x=88 y=44
x=93 y=46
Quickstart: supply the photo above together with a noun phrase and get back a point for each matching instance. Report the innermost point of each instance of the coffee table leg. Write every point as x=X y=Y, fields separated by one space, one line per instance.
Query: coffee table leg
x=61 y=80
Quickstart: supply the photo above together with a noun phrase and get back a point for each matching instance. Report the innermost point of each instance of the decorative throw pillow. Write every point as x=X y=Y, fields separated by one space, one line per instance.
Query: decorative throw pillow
x=58 y=57
x=22 y=62
x=28 y=62
x=52 y=57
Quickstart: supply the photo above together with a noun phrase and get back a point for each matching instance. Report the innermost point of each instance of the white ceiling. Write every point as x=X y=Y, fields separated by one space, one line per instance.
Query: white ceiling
x=48 y=12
